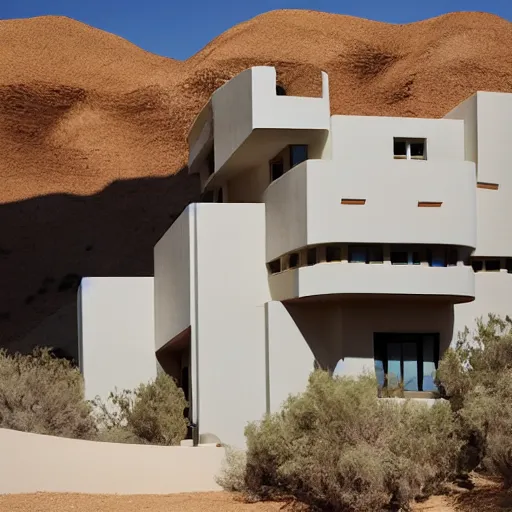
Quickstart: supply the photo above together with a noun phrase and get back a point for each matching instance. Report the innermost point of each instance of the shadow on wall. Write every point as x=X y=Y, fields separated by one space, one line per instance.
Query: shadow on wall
x=48 y=243
x=336 y=329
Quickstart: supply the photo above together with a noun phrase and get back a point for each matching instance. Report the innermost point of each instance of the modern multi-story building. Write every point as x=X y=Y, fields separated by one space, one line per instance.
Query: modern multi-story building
x=321 y=238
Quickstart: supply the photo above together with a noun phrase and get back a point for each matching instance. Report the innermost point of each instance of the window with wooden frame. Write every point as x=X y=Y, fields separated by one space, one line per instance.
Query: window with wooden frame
x=409 y=149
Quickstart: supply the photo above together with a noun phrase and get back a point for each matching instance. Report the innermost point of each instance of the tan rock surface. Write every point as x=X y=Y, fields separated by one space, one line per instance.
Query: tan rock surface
x=92 y=128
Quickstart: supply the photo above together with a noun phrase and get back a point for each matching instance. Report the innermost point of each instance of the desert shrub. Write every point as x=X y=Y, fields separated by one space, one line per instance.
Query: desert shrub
x=339 y=447
x=152 y=414
x=45 y=395
x=476 y=375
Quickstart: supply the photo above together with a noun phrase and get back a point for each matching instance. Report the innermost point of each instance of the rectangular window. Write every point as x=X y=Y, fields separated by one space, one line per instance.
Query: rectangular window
x=311 y=256
x=437 y=257
x=220 y=195
x=452 y=257
x=276 y=169
x=492 y=265
x=333 y=253
x=478 y=265
x=509 y=265
x=408 y=360
x=409 y=149
x=375 y=254
x=210 y=161
x=399 y=257
x=293 y=260
x=357 y=254
x=415 y=257
x=274 y=266
x=298 y=154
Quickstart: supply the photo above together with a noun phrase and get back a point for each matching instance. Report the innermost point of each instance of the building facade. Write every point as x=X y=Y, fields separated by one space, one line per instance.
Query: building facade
x=370 y=241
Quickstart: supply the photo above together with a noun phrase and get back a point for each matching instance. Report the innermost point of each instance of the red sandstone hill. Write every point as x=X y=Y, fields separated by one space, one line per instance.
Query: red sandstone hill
x=92 y=130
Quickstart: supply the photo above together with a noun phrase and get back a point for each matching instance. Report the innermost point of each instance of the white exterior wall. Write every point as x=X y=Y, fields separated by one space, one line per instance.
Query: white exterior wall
x=368 y=140
x=36 y=463
x=249 y=102
x=173 y=260
x=304 y=206
x=487 y=123
x=326 y=331
x=493 y=294
x=232 y=289
x=116 y=340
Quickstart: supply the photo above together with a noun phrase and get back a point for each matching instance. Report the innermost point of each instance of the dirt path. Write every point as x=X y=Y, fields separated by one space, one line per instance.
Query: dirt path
x=485 y=497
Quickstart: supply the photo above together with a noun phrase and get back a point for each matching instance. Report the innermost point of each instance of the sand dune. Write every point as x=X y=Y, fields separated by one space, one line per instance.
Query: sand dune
x=92 y=128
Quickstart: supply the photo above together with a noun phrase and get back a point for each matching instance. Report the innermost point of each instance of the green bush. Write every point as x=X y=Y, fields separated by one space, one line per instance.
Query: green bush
x=42 y=394
x=477 y=378
x=339 y=447
x=151 y=414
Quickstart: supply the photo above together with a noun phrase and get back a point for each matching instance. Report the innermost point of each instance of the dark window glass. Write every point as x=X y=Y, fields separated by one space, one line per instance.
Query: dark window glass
x=509 y=265
x=275 y=266
x=436 y=258
x=408 y=360
x=492 y=265
x=333 y=253
x=298 y=154
x=416 y=258
x=478 y=265
x=399 y=148
x=418 y=150
x=452 y=257
x=211 y=163
x=280 y=90
x=276 y=169
x=399 y=258
x=357 y=254
x=293 y=260
x=375 y=255
x=312 y=256
x=220 y=196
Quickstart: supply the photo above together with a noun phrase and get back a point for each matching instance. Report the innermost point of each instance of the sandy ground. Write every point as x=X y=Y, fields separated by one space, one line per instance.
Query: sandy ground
x=486 y=497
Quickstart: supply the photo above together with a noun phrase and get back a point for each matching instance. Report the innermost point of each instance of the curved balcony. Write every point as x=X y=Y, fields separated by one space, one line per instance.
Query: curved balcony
x=322 y=201
x=456 y=284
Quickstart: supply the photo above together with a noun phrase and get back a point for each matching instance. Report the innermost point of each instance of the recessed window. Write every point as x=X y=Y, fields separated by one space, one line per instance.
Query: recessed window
x=406 y=360
x=399 y=257
x=409 y=149
x=280 y=90
x=452 y=257
x=293 y=260
x=275 y=266
x=332 y=253
x=492 y=265
x=509 y=265
x=276 y=169
x=375 y=255
x=436 y=257
x=357 y=254
x=220 y=195
x=298 y=154
x=478 y=265
x=311 y=256
x=210 y=161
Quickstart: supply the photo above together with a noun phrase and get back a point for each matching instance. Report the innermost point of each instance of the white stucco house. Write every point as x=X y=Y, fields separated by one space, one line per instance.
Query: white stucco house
x=320 y=238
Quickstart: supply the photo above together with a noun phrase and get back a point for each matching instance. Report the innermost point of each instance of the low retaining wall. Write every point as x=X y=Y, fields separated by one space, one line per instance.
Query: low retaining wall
x=36 y=463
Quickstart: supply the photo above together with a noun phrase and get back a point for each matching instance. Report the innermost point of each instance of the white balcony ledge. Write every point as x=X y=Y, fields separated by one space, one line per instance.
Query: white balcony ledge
x=455 y=284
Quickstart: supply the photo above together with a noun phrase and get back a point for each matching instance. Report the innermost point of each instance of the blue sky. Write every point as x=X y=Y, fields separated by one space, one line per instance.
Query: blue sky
x=179 y=29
